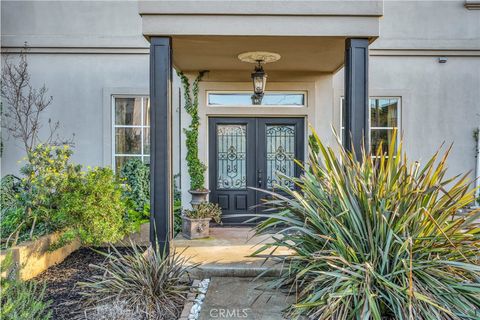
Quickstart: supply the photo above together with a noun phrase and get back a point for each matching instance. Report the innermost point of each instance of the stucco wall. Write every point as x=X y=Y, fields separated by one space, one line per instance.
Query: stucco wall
x=84 y=52
x=440 y=102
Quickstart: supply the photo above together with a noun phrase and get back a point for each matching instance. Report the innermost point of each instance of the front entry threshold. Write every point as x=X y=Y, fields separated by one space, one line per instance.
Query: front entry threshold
x=226 y=253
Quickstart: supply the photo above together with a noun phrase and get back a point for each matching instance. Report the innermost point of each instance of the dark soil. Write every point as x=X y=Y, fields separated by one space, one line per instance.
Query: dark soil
x=61 y=280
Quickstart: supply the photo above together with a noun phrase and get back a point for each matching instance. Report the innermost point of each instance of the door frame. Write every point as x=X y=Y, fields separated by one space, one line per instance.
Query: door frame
x=257 y=122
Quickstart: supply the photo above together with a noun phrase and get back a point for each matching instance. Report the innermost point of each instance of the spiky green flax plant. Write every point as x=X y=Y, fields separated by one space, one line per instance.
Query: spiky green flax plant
x=378 y=238
x=152 y=283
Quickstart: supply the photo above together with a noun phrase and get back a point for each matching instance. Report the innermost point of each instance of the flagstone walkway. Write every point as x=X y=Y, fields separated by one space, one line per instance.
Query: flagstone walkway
x=242 y=298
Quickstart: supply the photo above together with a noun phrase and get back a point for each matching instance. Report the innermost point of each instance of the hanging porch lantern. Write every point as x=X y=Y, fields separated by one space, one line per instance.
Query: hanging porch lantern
x=259 y=77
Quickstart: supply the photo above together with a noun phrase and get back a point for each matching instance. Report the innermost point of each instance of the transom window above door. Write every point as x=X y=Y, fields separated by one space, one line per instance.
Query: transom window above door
x=244 y=98
x=131 y=129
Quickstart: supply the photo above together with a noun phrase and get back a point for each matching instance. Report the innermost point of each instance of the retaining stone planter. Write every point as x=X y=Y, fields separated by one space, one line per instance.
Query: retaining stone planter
x=32 y=257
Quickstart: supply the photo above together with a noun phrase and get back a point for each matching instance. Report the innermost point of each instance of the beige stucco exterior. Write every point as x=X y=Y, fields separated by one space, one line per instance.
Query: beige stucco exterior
x=87 y=51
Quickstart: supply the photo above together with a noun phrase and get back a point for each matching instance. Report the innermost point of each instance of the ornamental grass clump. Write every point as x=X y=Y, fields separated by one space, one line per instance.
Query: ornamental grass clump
x=377 y=238
x=153 y=284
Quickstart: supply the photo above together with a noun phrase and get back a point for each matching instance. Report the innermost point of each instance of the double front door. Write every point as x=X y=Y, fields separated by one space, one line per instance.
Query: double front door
x=251 y=152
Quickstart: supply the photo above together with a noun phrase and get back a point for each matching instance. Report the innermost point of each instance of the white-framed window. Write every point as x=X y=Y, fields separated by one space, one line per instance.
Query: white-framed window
x=243 y=98
x=384 y=119
x=130 y=130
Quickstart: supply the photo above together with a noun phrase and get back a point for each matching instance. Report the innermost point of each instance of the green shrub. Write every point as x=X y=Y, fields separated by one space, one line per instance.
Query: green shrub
x=377 y=239
x=95 y=207
x=21 y=300
x=11 y=212
x=67 y=237
x=55 y=195
x=10 y=187
x=31 y=205
x=135 y=218
x=150 y=283
x=205 y=210
x=177 y=216
x=137 y=177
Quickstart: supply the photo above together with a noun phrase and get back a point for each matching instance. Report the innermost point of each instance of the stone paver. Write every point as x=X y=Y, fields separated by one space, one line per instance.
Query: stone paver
x=242 y=298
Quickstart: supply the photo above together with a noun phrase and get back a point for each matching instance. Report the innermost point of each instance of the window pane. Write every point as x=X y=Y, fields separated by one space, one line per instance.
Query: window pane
x=120 y=162
x=146 y=141
x=380 y=136
x=384 y=112
x=146 y=160
x=146 y=112
x=128 y=141
x=244 y=99
x=128 y=111
x=231 y=156
x=280 y=155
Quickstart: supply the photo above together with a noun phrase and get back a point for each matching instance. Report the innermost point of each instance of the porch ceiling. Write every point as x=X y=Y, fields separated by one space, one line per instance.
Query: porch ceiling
x=308 y=34
x=311 y=54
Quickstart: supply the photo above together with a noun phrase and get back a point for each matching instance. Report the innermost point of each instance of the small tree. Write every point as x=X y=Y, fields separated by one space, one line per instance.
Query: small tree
x=24 y=105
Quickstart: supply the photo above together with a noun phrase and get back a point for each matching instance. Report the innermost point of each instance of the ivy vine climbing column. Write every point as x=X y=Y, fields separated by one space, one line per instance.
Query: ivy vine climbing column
x=196 y=169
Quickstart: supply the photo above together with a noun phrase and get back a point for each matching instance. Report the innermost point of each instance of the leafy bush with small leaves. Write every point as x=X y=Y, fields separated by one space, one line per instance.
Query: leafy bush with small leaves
x=67 y=237
x=10 y=187
x=96 y=208
x=47 y=175
x=21 y=300
x=205 y=210
x=11 y=211
x=137 y=176
x=177 y=216
x=376 y=239
x=153 y=283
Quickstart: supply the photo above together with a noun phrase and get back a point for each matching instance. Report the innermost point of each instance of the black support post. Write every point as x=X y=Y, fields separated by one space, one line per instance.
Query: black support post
x=161 y=209
x=356 y=95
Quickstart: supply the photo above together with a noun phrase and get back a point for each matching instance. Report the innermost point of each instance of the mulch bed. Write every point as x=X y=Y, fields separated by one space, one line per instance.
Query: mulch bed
x=61 y=281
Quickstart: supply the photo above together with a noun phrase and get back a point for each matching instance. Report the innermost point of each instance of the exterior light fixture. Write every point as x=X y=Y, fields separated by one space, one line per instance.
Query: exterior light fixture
x=259 y=77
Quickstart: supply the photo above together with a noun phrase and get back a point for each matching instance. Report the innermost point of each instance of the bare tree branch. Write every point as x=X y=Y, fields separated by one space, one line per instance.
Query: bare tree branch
x=23 y=105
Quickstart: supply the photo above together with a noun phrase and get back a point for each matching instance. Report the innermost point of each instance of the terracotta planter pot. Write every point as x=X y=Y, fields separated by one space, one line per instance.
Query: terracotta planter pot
x=198 y=196
x=195 y=228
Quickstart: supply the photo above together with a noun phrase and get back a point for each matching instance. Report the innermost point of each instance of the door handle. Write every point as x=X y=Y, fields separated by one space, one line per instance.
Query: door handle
x=259 y=179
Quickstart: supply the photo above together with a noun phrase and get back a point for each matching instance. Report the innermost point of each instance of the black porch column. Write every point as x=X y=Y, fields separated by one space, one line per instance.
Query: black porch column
x=356 y=95
x=161 y=210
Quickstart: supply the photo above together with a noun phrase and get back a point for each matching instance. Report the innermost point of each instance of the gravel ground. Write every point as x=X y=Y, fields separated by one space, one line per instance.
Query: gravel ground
x=61 y=282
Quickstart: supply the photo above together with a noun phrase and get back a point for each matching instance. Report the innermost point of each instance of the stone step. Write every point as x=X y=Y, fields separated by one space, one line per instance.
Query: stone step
x=227 y=253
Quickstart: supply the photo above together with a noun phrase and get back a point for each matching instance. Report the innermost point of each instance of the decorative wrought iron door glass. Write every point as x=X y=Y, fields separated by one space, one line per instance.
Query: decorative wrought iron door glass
x=231 y=157
x=280 y=142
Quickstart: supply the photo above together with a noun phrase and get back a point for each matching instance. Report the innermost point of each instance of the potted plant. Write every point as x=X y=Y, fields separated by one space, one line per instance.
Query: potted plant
x=196 y=222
